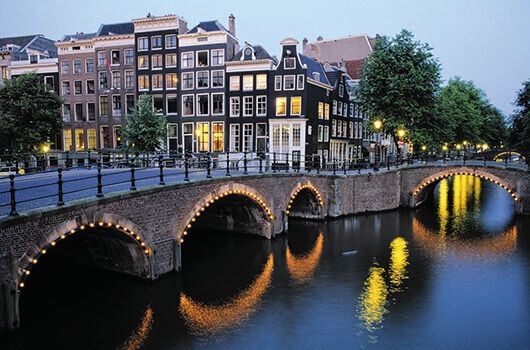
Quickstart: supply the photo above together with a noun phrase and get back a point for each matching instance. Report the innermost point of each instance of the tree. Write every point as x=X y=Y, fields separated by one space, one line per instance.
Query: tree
x=399 y=84
x=145 y=130
x=29 y=115
x=520 y=127
x=494 y=131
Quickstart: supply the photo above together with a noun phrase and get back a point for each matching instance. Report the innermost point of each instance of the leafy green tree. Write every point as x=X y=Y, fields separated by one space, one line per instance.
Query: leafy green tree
x=29 y=115
x=399 y=84
x=494 y=130
x=145 y=130
x=520 y=128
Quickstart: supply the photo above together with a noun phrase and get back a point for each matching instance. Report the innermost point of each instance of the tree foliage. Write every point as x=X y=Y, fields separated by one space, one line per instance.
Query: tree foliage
x=520 y=126
x=145 y=130
x=29 y=115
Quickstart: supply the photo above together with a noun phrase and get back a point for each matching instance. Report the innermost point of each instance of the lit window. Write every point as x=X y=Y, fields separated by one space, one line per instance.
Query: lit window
x=218 y=136
x=296 y=105
x=91 y=135
x=261 y=81
x=320 y=110
x=326 y=111
x=234 y=83
x=203 y=137
x=143 y=82
x=143 y=62
x=80 y=139
x=156 y=62
x=156 y=81
x=171 y=81
x=67 y=140
x=171 y=60
x=281 y=106
x=248 y=82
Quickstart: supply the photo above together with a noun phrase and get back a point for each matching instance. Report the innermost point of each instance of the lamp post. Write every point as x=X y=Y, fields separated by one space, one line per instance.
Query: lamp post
x=444 y=154
x=378 y=124
x=45 y=148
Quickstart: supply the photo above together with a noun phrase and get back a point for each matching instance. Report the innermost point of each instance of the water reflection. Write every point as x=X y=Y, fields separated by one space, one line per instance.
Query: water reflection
x=210 y=319
x=138 y=338
x=302 y=268
x=399 y=255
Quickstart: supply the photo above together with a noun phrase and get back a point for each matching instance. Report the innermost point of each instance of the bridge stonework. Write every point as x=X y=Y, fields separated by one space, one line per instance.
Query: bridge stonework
x=159 y=217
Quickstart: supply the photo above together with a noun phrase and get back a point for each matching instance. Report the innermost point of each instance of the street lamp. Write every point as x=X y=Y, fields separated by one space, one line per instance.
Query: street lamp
x=198 y=137
x=445 y=149
x=378 y=124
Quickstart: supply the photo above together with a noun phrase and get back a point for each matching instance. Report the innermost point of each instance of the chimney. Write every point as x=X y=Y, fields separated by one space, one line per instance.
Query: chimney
x=320 y=38
x=304 y=43
x=232 y=25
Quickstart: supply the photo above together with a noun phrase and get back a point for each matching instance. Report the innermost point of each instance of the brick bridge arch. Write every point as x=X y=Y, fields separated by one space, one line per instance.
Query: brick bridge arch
x=305 y=201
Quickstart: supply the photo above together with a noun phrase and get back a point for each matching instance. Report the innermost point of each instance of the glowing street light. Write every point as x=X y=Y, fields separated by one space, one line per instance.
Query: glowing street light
x=445 y=148
x=378 y=124
x=401 y=133
x=45 y=148
x=485 y=147
x=424 y=148
x=458 y=146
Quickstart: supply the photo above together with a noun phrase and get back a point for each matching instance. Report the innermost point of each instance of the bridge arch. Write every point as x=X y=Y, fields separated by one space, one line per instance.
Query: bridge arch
x=84 y=223
x=305 y=201
x=218 y=195
x=421 y=191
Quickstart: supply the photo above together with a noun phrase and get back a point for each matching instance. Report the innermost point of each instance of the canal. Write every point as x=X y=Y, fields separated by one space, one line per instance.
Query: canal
x=453 y=274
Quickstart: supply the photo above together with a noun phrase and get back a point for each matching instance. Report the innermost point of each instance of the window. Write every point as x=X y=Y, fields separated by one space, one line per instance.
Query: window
x=187 y=137
x=105 y=136
x=218 y=137
x=143 y=62
x=171 y=81
x=77 y=66
x=130 y=103
x=187 y=105
x=351 y=130
x=261 y=81
x=67 y=140
x=326 y=133
x=116 y=80
x=143 y=44
x=341 y=90
x=90 y=87
x=218 y=78
x=203 y=79
x=334 y=107
x=247 y=137
x=234 y=83
x=103 y=81
x=65 y=67
x=66 y=112
x=118 y=142
x=116 y=105
x=171 y=104
x=202 y=104
x=203 y=137
x=102 y=58
x=248 y=106
x=79 y=139
x=202 y=58
x=172 y=137
x=289 y=63
x=333 y=128
x=129 y=56
x=129 y=79
x=115 y=57
x=91 y=111
x=296 y=105
x=103 y=106
x=171 y=41
x=218 y=57
x=218 y=104
x=187 y=81
x=234 y=138
x=320 y=136
x=296 y=135
x=66 y=88
x=79 y=112
x=33 y=59
x=187 y=60
x=156 y=82
x=339 y=108
x=261 y=105
x=156 y=62
x=156 y=42
x=158 y=104
x=345 y=109
x=234 y=107
x=248 y=82
x=78 y=87
x=300 y=82
x=288 y=82
x=278 y=83
x=89 y=65
x=171 y=60
x=261 y=137
x=320 y=110
x=91 y=136
x=326 y=111
x=281 y=106
x=143 y=82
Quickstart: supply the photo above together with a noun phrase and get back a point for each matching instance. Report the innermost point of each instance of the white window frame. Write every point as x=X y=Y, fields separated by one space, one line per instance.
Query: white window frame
x=232 y=100
x=244 y=104
x=161 y=43
x=146 y=60
x=222 y=80
x=166 y=57
x=182 y=60
x=293 y=59
x=125 y=51
x=161 y=66
x=119 y=60
x=300 y=82
x=211 y=58
x=234 y=143
x=249 y=138
x=153 y=85
x=197 y=58
x=232 y=81
x=197 y=109
x=197 y=80
x=192 y=103
x=291 y=105
x=167 y=80
x=251 y=77
x=257 y=85
x=276 y=106
x=285 y=85
x=192 y=74
x=138 y=43
x=211 y=101
x=278 y=83
x=264 y=112
x=320 y=135
x=165 y=41
x=175 y=96
x=86 y=86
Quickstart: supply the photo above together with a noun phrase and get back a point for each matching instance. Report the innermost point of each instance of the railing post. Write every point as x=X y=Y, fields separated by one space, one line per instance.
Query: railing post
x=245 y=172
x=334 y=166
x=344 y=166
x=100 y=185
x=484 y=161
x=186 y=169
x=464 y=158
x=387 y=162
x=12 y=191
x=359 y=167
x=228 y=163
x=287 y=162
x=60 y=200
x=273 y=162
x=208 y=167
x=260 y=164
x=133 y=179
x=319 y=163
x=161 y=167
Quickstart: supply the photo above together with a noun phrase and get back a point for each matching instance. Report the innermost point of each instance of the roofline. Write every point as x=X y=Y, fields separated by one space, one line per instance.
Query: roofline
x=341 y=38
x=189 y=35
x=239 y=62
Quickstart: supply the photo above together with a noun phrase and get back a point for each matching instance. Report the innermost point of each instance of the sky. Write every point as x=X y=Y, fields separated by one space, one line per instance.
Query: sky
x=485 y=41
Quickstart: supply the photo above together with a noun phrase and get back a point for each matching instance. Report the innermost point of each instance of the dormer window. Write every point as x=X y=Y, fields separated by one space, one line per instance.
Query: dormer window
x=341 y=90
x=289 y=63
x=33 y=59
x=316 y=75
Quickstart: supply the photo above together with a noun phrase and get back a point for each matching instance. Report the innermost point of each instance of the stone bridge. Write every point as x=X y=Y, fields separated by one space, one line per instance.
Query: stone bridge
x=142 y=232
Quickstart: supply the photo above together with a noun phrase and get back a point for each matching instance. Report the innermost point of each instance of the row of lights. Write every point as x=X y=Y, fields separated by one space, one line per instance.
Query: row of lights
x=425 y=184
x=307 y=186
x=34 y=260
x=251 y=195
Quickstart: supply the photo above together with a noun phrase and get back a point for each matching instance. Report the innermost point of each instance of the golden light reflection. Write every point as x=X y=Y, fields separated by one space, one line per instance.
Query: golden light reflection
x=302 y=269
x=443 y=207
x=477 y=187
x=373 y=299
x=399 y=255
x=138 y=338
x=210 y=319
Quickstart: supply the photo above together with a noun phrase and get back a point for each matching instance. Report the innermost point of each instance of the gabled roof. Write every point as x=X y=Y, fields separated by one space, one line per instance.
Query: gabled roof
x=20 y=41
x=116 y=29
x=335 y=50
x=259 y=52
x=35 y=42
x=207 y=26
x=78 y=36
x=314 y=66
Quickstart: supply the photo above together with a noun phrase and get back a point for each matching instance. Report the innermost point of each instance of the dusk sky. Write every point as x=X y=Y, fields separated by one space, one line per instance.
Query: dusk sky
x=485 y=41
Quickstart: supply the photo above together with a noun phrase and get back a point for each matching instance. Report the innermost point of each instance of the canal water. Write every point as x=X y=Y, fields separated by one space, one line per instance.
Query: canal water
x=453 y=274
